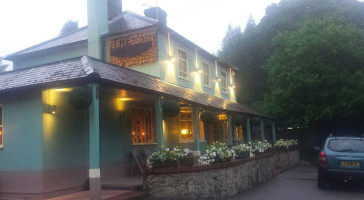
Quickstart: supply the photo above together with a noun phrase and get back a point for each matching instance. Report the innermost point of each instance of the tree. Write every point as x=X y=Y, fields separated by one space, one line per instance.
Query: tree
x=316 y=74
x=68 y=26
x=256 y=47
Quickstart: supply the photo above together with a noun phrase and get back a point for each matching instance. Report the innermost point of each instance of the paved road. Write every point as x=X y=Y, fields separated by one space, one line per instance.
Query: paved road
x=300 y=183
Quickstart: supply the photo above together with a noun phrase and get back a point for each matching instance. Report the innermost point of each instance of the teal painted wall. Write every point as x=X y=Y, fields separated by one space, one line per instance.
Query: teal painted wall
x=192 y=82
x=52 y=56
x=115 y=131
x=65 y=134
x=22 y=132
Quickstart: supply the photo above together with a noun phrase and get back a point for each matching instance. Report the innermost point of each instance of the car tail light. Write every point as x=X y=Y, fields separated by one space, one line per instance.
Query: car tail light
x=322 y=158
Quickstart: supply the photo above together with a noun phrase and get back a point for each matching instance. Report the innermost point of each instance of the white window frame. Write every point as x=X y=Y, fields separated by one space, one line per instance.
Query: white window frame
x=2 y=127
x=179 y=58
x=205 y=74
x=224 y=89
x=152 y=125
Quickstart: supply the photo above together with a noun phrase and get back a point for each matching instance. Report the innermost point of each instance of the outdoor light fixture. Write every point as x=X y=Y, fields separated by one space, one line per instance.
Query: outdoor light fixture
x=184 y=131
x=289 y=128
x=232 y=86
x=217 y=80
x=52 y=109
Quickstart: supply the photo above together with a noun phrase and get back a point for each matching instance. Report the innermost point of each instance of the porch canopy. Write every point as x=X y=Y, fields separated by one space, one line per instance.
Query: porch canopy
x=86 y=69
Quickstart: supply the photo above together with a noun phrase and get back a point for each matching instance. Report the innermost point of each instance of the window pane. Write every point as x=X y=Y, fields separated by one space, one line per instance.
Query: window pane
x=142 y=127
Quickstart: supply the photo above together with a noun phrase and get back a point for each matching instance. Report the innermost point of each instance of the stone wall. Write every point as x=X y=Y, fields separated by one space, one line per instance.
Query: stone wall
x=286 y=159
x=219 y=180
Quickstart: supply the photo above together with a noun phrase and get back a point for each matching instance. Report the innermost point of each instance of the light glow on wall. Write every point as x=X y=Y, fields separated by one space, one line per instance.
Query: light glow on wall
x=62 y=89
x=217 y=89
x=125 y=99
x=171 y=75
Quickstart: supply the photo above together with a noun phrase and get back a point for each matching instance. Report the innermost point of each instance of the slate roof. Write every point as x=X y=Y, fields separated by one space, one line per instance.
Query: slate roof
x=89 y=68
x=126 y=21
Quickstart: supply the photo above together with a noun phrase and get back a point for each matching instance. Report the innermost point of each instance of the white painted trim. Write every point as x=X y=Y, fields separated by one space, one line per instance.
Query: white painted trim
x=203 y=74
x=94 y=173
x=188 y=71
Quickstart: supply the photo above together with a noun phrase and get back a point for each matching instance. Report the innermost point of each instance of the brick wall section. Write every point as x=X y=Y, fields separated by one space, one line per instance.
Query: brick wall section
x=210 y=181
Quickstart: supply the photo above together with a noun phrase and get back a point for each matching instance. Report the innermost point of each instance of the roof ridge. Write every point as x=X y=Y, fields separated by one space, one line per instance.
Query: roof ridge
x=39 y=65
x=141 y=17
x=55 y=38
x=87 y=66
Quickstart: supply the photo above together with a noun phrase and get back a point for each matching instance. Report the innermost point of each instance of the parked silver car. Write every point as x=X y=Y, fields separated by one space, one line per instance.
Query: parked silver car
x=341 y=159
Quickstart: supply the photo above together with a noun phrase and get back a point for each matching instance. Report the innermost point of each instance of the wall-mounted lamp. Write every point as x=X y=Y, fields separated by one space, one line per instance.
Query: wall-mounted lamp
x=217 y=80
x=232 y=86
x=52 y=109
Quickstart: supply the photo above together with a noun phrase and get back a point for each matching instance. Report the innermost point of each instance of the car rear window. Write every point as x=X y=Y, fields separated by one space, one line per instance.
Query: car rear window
x=346 y=145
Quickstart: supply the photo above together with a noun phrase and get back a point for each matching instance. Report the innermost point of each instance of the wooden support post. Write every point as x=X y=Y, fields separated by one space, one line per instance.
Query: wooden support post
x=94 y=144
x=159 y=121
x=262 y=129
x=248 y=130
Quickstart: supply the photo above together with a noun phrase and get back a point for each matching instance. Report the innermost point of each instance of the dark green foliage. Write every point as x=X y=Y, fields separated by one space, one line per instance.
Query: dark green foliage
x=80 y=97
x=207 y=117
x=316 y=73
x=171 y=107
x=68 y=27
x=311 y=51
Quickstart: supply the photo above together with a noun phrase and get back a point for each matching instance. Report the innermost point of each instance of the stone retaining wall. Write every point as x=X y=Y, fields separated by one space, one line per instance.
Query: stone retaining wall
x=219 y=180
x=286 y=159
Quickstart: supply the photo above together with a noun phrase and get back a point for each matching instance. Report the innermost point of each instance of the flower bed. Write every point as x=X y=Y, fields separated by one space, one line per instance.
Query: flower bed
x=170 y=157
x=285 y=144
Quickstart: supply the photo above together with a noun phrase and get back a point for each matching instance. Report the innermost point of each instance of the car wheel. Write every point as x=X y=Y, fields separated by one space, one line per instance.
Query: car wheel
x=321 y=182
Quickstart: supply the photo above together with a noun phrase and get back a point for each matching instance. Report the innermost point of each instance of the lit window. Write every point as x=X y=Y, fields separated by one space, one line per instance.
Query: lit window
x=239 y=132
x=186 y=133
x=223 y=82
x=206 y=74
x=182 y=64
x=1 y=126
x=200 y=126
x=143 y=125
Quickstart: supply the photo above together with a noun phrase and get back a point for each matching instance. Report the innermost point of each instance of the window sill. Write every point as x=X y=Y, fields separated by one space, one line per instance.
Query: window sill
x=183 y=78
x=143 y=144
x=208 y=86
x=185 y=141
